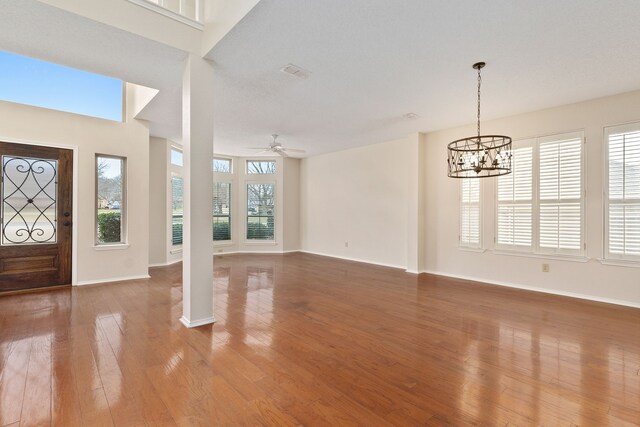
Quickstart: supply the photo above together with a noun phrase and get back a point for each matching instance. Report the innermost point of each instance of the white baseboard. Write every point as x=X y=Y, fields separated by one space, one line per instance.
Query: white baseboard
x=625 y=303
x=111 y=279
x=587 y=297
x=402 y=267
x=195 y=323
x=537 y=289
x=255 y=252
x=165 y=264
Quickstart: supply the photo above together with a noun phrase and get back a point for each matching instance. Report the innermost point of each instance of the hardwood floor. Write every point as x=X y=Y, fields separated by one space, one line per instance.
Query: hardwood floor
x=308 y=340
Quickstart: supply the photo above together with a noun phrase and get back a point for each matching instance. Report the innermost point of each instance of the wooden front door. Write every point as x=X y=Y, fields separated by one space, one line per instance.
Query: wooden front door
x=35 y=239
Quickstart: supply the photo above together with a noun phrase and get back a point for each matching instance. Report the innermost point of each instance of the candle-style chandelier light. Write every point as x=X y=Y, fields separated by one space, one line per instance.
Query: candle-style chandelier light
x=479 y=156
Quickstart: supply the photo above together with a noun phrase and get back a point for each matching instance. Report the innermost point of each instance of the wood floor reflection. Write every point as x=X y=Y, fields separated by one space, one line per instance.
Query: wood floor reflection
x=307 y=340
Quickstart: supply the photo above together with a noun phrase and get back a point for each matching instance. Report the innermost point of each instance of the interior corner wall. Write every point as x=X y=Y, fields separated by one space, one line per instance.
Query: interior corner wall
x=90 y=136
x=354 y=203
x=158 y=218
x=291 y=205
x=589 y=279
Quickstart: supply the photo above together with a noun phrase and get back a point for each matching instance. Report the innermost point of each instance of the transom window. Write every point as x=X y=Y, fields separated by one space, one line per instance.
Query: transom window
x=176 y=157
x=43 y=84
x=222 y=165
x=264 y=167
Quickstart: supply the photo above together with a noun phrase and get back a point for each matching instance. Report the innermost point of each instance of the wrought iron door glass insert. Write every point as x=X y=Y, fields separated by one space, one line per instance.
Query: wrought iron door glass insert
x=29 y=188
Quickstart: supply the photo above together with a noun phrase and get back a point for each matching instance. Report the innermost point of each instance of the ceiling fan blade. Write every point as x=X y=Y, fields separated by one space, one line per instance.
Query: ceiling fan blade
x=294 y=150
x=262 y=151
x=282 y=153
x=258 y=148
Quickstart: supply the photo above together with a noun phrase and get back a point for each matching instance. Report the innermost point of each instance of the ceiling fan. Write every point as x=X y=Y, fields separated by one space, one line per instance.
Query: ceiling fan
x=276 y=147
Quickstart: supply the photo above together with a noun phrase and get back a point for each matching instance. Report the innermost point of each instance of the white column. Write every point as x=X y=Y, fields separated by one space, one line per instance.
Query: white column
x=197 y=141
x=416 y=221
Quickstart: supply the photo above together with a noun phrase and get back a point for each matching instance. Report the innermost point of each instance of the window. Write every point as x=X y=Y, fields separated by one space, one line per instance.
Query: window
x=515 y=201
x=43 y=84
x=622 y=216
x=470 y=228
x=186 y=11
x=222 y=165
x=560 y=194
x=177 y=205
x=261 y=167
x=221 y=211
x=29 y=212
x=260 y=211
x=176 y=157
x=541 y=203
x=110 y=200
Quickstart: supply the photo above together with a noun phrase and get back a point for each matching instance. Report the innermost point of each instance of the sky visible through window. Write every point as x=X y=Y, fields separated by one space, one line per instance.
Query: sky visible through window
x=33 y=82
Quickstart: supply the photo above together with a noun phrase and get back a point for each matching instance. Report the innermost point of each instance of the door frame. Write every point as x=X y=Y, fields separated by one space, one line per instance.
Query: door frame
x=74 y=192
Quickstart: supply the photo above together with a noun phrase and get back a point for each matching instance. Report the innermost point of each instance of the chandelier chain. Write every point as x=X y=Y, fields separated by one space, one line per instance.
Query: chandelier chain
x=479 y=83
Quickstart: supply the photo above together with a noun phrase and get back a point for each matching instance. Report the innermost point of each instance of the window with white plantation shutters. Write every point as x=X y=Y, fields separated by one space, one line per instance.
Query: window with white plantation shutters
x=560 y=194
x=470 y=224
x=515 y=201
x=622 y=240
x=541 y=202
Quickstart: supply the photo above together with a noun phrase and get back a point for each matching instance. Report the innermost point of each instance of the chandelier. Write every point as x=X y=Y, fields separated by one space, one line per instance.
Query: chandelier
x=479 y=156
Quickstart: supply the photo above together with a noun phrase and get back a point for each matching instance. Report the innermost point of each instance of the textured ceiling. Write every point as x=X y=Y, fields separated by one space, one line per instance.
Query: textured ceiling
x=372 y=61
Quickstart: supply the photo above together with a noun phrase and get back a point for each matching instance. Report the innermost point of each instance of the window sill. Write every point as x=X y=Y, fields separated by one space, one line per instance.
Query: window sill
x=559 y=257
x=222 y=243
x=113 y=247
x=619 y=262
x=261 y=243
x=467 y=249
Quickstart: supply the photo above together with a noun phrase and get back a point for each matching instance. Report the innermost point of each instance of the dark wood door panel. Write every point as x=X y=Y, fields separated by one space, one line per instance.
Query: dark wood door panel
x=36 y=234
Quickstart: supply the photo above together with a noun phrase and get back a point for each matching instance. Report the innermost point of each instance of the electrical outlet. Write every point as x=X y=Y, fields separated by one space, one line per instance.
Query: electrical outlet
x=545 y=268
x=346 y=244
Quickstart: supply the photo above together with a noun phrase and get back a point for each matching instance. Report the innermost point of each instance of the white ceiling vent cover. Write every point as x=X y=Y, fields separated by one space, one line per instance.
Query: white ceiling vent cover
x=296 y=71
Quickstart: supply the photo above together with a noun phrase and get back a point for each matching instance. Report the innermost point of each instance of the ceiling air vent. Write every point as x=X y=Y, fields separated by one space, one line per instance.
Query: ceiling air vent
x=296 y=71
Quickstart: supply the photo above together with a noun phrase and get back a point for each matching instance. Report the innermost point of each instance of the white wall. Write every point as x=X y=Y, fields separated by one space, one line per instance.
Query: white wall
x=357 y=197
x=291 y=204
x=371 y=197
x=158 y=217
x=589 y=279
x=88 y=135
x=220 y=16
